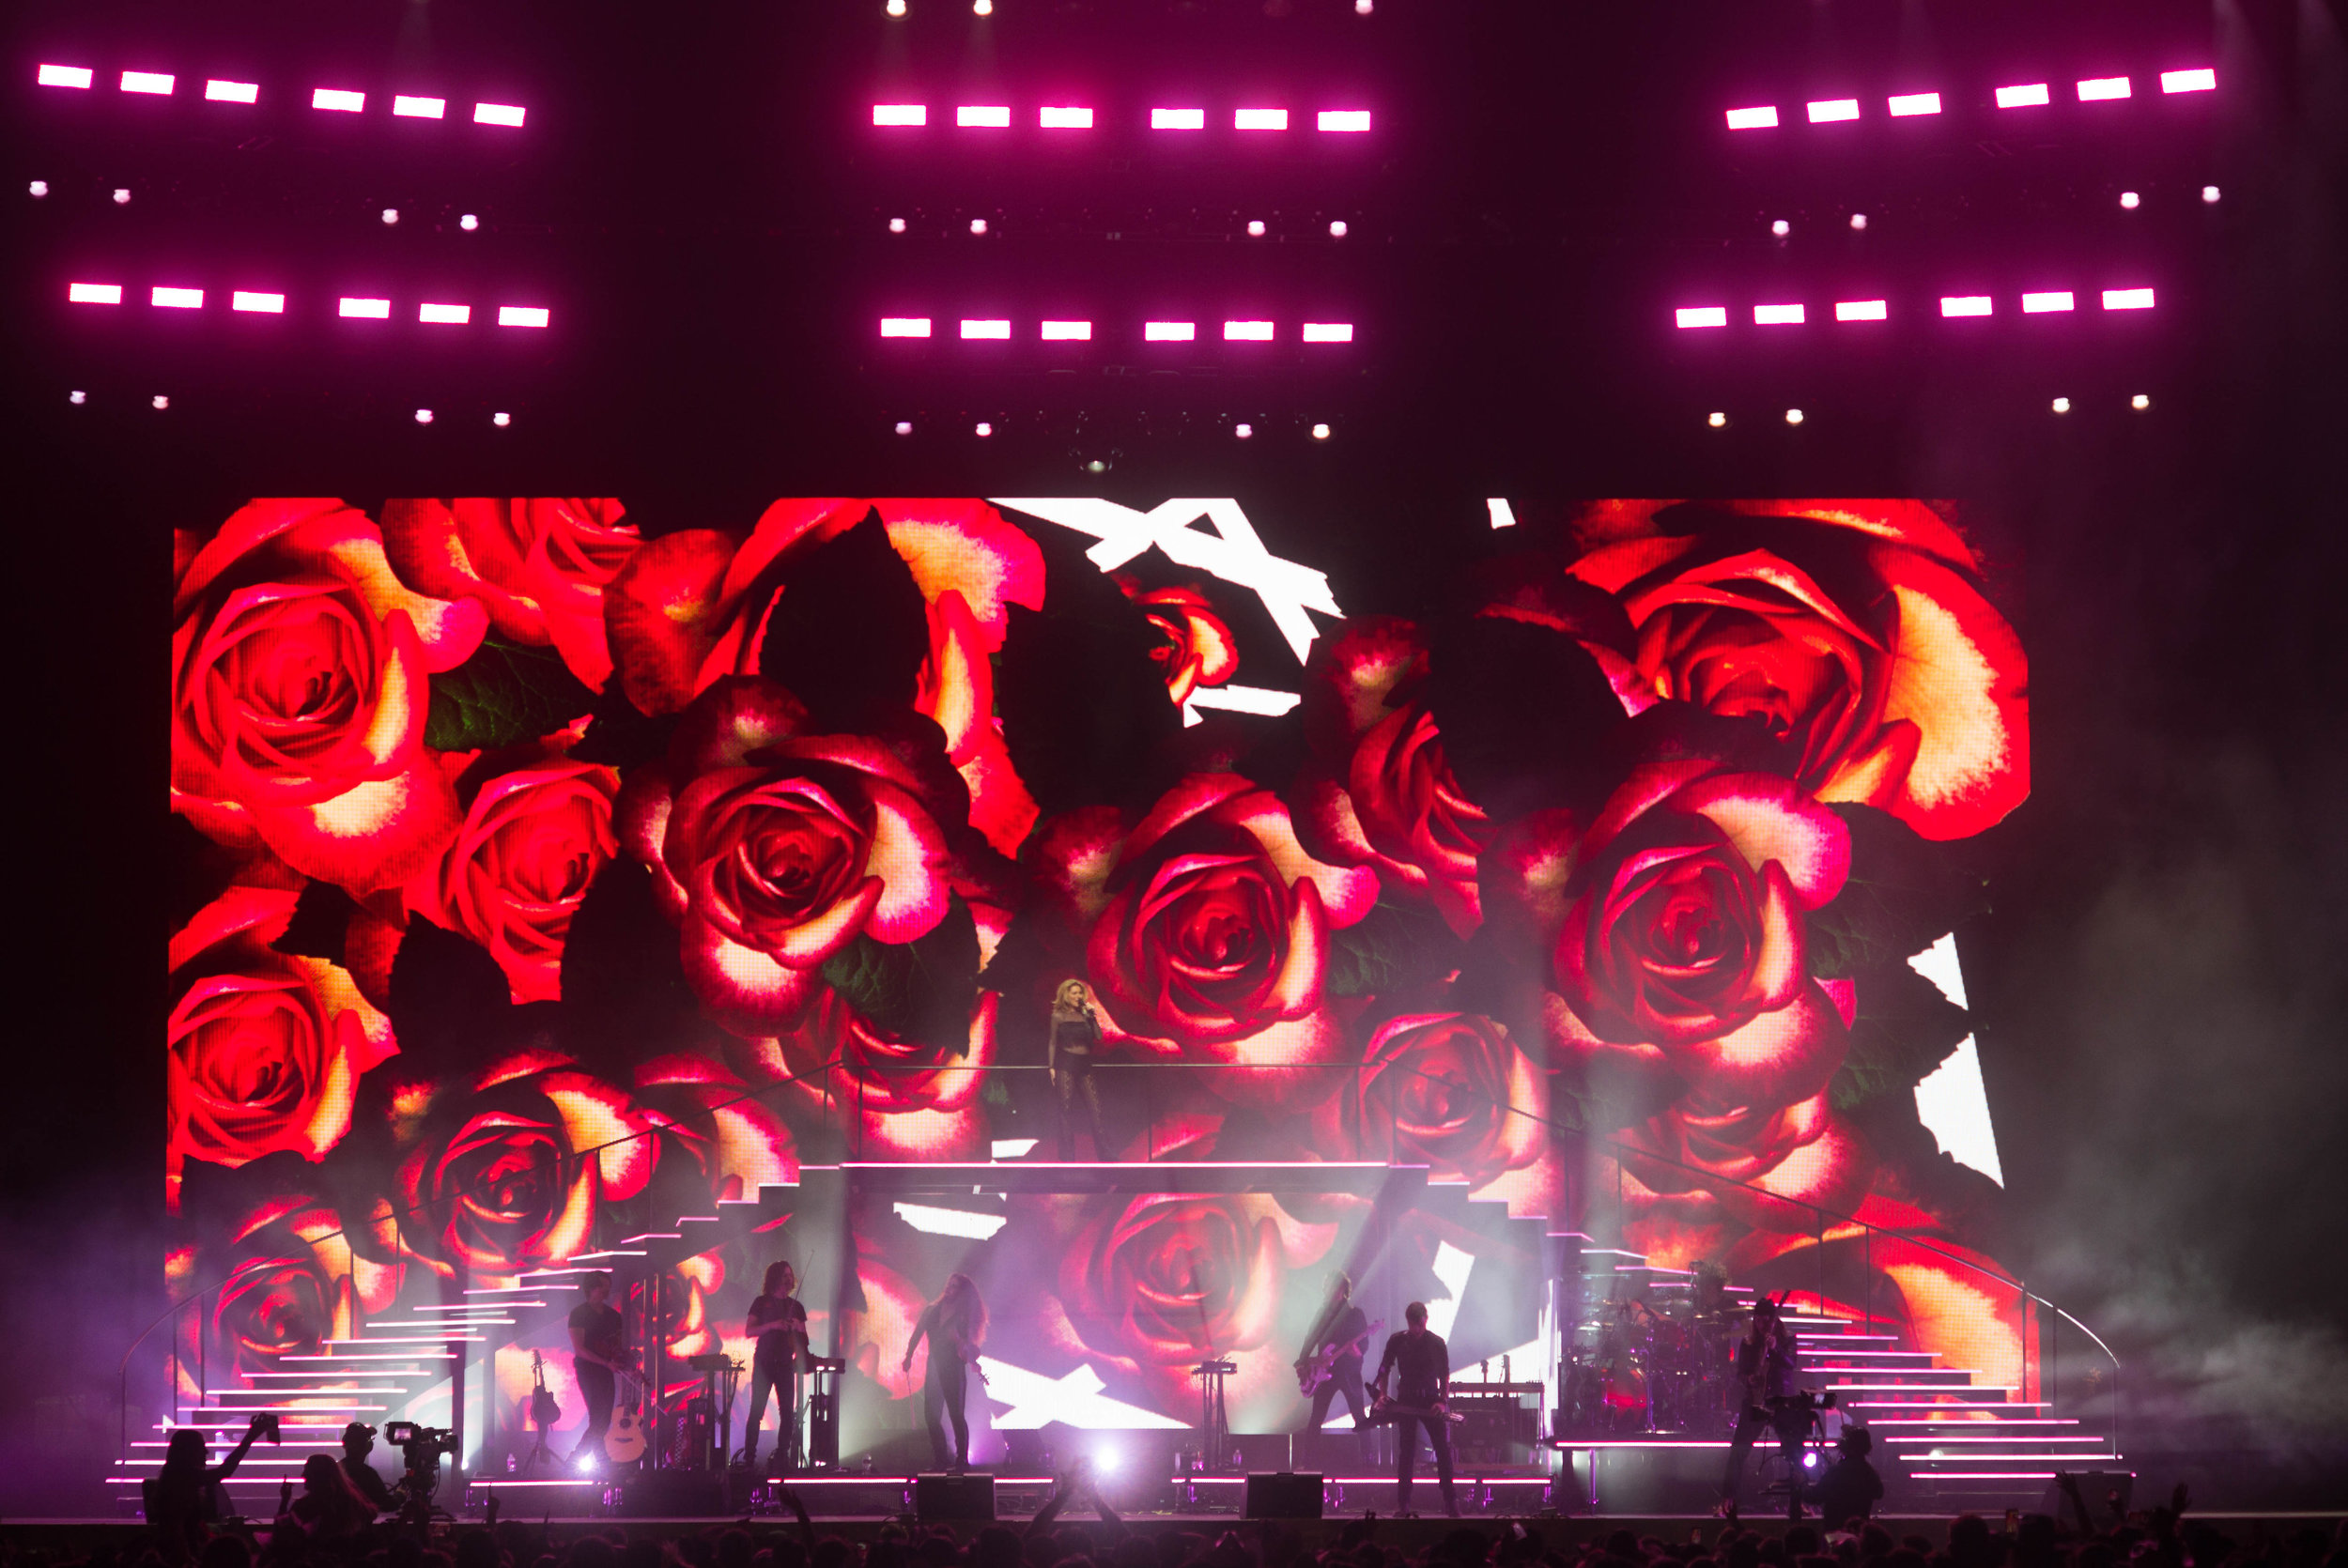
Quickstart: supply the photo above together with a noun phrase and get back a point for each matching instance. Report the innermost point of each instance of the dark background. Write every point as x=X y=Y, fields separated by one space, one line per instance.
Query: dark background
x=697 y=195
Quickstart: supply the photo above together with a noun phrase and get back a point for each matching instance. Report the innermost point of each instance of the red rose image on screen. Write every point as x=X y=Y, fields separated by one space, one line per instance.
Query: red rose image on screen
x=913 y=1099
x=538 y=565
x=300 y=669
x=1198 y=649
x=269 y=1308
x=1456 y=1093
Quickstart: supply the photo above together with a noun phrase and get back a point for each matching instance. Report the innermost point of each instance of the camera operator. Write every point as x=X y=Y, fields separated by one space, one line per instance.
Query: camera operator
x=365 y=1480
x=1850 y=1489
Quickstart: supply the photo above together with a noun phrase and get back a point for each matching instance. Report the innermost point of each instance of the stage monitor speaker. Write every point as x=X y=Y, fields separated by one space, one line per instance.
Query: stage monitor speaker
x=673 y=1495
x=954 y=1497
x=2105 y=1492
x=1283 y=1495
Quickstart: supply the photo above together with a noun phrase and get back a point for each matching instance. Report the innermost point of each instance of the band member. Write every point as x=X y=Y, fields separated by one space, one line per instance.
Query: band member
x=595 y=1356
x=1344 y=1328
x=777 y=1325
x=955 y=1325
x=1075 y=1037
x=1766 y=1363
x=365 y=1480
x=1423 y=1362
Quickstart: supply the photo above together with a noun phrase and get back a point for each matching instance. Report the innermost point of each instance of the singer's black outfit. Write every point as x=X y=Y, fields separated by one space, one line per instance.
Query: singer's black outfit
x=1423 y=1366
x=1073 y=1041
x=775 y=1370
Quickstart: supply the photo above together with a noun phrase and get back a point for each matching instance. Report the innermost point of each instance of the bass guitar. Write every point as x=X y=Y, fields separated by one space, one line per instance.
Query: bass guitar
x=623 y=1443
x=1387 y=1409
x=1318 y=1368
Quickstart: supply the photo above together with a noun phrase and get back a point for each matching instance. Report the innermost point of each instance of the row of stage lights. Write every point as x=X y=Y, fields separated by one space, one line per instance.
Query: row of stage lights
x=998 y=330
x=344 y=100
x=2138 y=403
x=1256 y=228
x=161 y=403
x=1078 y=116
x=2027 y=95
x=2053 y=301
x=269 y=302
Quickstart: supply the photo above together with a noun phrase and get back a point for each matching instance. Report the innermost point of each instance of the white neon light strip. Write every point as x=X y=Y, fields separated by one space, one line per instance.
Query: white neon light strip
x=1064 y=117
x=1777 y=315
x=445 y=316
x=1702 y=316
x=159 y=83
x=1860 y=309
x=365 y=310
x=2102 y=90
x=2028 y=96
x=2202 y=81
x=1061 y=331
x=1829 y=110
x=409 y=108
x=511 y=115
x=1342 y=119
x=1169 y=331
x=1967 y=304
x=339 y=99
x=1328 y=331
x=218 y=91
x=1761 y=118
x=2048 y=301
x=900 y=113
x=250 y=300
x=523 y=316
x=1260 y=119
x=1178 y=119
x=65 y=76
x=904 y=326
x=1247 y=331
x=2127 y=299
x=175 y=299
x=987 y=116
x=93 y=294
x=1906 y=104
x=998 y=330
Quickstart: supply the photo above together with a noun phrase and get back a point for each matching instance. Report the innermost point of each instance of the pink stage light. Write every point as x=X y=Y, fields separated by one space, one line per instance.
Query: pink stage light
x=523 y=315
x=499 y=113
x=2127 y=299
x=2202 y=80
x=1247 y=331
x=409 y=108
x=1260 y=119
x=1777 y=315
x=66 y=76
x=1905 y=104
x=999 y=330
x=1966 y=304
x=1761 y=118
x=365 y=310
x=1178 y=119
x=985 y=116
x=175 y=299
x=232 y=92
x=904 y=326
x=1828 y=110
x=265 y=304
x=2048 y=301
x=93 y=294
x=159 y=83
x=2101 y=89
x=1328 y=331
x=1168 y=331
x=1064 y=117
x=900 y=113
x=1703 y=316
x=445 y=316
x=1342 y=119
x=2029 y=95
x=338 y=100
x=1068 y=332
x=1862 y=310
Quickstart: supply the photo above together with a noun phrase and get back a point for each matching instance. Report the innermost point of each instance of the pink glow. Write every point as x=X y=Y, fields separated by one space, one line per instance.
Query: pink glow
x=999 y=330
x=2127 y=299
x=1260 y=119
x=65 y=76
x=175 y=299
x=900 y=113
x=1328 y=331
x=409 y=108
x=523 y=316
x=1760 y=119
x=1068 y=332
x=2029 y=95
x=248 y=300
x=1777 y=315
x=2103 y=89
x=1178 y=119
x=1966 y=304
x=499 y=113
x=159 y=83
x=1703 y=316
x=2202 y=81
x=232 y=92
x=1860 y=309
x=1065 y=117
x=904 y=326
x=339 y=99
x=93 y=294
x=1905 y=104
x=1247 y=331
x=445 y=316
x=365 y=310
x=2048 y=303
x=1826 y=109
x=985 y=116
x=1342 y=119
x=1168 y=331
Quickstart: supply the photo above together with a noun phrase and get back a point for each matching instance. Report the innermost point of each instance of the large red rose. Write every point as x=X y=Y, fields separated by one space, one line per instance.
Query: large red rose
x=1855 y=630
x=1378 y=790
x=691 y=608
x=300 y=667
x=538 y=565
x=908 y=1100
x=772 y=848
x=1196 y=648
x=1453 y=1091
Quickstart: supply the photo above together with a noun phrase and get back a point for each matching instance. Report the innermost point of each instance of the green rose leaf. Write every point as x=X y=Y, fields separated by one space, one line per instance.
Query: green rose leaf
x=920 y=990
x=1905 y=893
x=1394 y=945
x=505 y=695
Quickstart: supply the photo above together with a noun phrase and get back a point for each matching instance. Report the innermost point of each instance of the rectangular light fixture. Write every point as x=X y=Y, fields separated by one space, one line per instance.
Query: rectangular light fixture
x=175 y=299
x=1702 y=316
x=265 y=304
x=1328 y=331
x=159 y=83
x=1178 y=119
x=445 y=316
x=1064 y=117
x=1966 y=304
x=900 y=113
x=2029 y=95
x=338 y=100
x=498 y=113
x=365 y=310
x=1168 y=331
x=1260 y=119
x=1777 y=315
x=1000 y=331
x=523 y=316
x=1906 y=104
x=1759 y=119
x=1342 y=119
x=1860 y=309
x=218 y=91
x=2100 y=89
x=1247 y=331
x=409 y=108
x=2048 y=301
x=65 y=76
x=2202 y=80
x=904 y=326
x=1068 y=332
x=1826 y=109
x=986 y=117
x=93 y=294
x=2127 y=299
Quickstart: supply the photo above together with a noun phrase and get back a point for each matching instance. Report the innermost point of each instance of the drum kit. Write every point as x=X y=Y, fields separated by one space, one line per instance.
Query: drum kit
x=1633 y=1367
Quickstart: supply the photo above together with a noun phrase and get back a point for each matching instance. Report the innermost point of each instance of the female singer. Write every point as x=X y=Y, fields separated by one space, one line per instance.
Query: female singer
x=1076 y=1035
x=956 y=1326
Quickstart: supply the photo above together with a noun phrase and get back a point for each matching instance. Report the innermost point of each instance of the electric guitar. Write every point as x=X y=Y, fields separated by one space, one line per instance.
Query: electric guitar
x=1382 y=1408
x=1318 y=1368
x=624 y=1441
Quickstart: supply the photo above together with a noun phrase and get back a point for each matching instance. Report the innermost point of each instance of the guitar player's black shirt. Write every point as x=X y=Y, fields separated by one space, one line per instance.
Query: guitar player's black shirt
x=1348 y=1327
x=1422 y=1366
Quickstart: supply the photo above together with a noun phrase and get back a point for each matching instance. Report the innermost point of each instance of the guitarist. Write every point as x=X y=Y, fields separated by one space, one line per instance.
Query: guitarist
x=596 y=1361
x=1766 y=1365
x=777 y=1325
x=1424 y=1365
x=1343 y=1329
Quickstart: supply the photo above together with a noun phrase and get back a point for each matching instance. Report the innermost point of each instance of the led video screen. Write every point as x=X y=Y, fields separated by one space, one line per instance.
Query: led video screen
x=558 y=879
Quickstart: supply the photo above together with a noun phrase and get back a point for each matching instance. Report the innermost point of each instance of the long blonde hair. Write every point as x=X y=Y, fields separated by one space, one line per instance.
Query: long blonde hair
x=1066 y=1011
